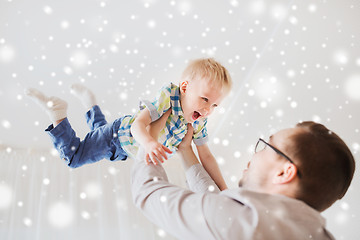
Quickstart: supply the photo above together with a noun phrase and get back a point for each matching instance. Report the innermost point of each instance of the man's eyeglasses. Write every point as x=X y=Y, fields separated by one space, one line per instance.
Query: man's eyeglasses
x=261 y=145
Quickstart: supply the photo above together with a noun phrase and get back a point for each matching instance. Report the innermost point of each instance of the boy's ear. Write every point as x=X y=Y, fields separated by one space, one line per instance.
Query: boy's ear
x=183 y=86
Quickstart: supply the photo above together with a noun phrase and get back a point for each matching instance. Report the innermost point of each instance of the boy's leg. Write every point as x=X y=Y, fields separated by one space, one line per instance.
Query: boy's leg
x=94 y=117
x=98 y=144
x=86 y=96
x=56 y=108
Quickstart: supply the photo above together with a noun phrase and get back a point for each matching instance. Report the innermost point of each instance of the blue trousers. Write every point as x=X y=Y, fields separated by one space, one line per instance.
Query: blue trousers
x=101 y=142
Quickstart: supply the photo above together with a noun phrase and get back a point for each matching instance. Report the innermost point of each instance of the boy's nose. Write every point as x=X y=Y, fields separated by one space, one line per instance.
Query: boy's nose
x=207 y=111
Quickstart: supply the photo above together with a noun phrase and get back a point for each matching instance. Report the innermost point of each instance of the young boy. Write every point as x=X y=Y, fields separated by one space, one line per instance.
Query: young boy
x=204 y=84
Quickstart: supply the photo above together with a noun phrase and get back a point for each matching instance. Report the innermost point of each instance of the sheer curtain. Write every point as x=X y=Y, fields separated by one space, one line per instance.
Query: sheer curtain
x=42 y=198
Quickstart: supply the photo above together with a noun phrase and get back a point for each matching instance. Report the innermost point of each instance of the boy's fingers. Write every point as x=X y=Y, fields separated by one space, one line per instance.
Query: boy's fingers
x=158 y=156
x=163 y=154
x=153 y=159
x=147 y=159
x=166 y=149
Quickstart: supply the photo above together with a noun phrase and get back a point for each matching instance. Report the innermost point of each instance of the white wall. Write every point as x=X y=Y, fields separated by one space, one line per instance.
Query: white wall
x=290 y=61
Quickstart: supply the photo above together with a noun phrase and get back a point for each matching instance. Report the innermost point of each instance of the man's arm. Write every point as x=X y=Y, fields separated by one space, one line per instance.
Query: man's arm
x=197 y=178
x=178 y=211
x=209 y=162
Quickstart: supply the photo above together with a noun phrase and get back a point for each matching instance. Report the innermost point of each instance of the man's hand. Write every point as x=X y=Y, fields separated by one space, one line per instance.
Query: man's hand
x=186 y=142
x=186 y=152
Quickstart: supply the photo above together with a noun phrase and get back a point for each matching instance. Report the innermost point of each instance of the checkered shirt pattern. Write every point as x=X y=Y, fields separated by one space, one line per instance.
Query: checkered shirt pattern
x=176 y=125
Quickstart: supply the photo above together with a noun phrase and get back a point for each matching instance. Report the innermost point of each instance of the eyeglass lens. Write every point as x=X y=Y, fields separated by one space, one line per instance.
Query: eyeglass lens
x=260 y=145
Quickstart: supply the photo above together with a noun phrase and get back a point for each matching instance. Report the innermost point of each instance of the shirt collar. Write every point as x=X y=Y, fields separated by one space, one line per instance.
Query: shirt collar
x=258 y=200
x=175 y=101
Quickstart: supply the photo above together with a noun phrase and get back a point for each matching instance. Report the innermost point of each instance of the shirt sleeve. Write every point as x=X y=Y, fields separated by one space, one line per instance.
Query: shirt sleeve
x=178 y=211
x=199 y=181
x=159 y=105
x=200 y=136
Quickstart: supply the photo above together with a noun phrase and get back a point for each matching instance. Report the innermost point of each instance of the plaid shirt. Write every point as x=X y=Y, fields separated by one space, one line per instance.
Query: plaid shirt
x=176 y=125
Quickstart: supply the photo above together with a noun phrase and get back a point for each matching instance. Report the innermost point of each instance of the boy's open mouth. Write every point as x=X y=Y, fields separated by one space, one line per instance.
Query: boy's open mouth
x=196 y=115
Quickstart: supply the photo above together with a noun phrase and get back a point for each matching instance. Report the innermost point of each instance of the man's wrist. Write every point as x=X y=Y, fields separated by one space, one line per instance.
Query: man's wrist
x=188 y=157
x=184 y=150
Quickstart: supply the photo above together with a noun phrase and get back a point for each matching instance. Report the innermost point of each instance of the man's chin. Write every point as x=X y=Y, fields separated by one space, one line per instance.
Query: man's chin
x=243 y=183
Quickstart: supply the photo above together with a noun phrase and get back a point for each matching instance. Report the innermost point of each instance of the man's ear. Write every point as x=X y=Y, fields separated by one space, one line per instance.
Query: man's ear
x=183 y=86
x=285 y=174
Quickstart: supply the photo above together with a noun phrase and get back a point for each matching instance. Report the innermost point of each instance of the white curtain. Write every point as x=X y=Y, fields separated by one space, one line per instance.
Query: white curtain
x=42 y=198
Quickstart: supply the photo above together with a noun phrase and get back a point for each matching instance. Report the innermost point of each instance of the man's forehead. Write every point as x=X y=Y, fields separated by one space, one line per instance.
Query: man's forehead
x=272 y=138
x=283 y=134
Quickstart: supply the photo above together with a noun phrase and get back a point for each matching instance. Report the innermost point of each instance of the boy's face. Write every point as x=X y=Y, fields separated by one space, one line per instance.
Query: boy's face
x=199 y=98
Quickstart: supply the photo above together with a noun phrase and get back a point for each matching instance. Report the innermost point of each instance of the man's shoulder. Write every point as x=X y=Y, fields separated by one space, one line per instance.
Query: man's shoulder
x=265 y=203
x=246 y=196
x=265 y=211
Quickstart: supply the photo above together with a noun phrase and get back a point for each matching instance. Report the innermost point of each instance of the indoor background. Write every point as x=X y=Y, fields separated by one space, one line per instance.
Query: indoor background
x=290 y=61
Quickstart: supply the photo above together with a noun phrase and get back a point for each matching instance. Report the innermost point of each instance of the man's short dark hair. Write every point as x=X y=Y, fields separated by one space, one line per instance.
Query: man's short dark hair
x=326 y=164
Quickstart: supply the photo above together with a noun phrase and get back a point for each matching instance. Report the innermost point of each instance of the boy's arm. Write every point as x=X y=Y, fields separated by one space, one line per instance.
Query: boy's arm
x=209 y=163
x=153 y=149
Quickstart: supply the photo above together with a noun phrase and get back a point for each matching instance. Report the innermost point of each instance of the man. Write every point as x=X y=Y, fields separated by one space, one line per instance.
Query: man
x=294 y=176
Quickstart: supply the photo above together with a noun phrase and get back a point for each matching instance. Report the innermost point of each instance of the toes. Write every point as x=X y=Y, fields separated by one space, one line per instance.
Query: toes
x=32 y=92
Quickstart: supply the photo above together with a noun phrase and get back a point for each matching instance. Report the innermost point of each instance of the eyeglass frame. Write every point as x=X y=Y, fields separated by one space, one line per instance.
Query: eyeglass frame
x=278 y=152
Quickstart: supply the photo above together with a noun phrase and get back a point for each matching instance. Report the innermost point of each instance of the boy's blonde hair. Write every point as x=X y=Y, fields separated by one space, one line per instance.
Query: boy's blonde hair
x=209 y=69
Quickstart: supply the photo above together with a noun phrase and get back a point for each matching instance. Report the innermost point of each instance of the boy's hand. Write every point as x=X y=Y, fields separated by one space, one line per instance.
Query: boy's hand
x=155 y=152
